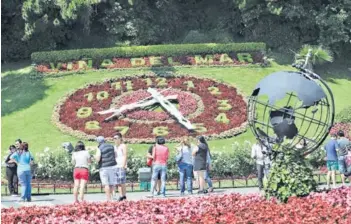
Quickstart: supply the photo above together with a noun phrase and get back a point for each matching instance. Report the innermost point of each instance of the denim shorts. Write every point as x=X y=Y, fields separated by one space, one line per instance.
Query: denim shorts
x=108 y=175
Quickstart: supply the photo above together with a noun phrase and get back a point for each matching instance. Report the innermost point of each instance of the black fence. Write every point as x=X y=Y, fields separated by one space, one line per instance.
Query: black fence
x=42 y=188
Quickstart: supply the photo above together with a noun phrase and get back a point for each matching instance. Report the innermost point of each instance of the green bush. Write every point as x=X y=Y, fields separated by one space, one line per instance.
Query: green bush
x=98 y=54
x=289 y=176
x=344 y=116
x=56 y=165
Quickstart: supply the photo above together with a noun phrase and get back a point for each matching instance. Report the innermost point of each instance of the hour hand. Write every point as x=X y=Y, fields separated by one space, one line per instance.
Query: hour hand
x=117 y=112
x=170 y=108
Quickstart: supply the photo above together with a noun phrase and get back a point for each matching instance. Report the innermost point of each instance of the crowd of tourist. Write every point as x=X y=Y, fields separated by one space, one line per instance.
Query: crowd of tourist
x=193 y=160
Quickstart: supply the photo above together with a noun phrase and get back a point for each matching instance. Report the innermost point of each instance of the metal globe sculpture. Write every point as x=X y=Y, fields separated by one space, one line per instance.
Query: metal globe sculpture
x=289 y=106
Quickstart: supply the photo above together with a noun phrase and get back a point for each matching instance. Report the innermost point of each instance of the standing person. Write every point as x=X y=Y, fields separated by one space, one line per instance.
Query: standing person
x=332 y=159
x=80 y=160
x=106 y=158
x=149 y=157
x=259 y=152
x=23 y=159
x=160 y=154
x=342 y=150
x=11 y=172
x=200 y=158
x=207 y=173
x=185 y=165
x=121 y=159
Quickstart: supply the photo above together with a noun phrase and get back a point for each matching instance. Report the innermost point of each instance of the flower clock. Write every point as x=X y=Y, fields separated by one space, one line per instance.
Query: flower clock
x=141 y=107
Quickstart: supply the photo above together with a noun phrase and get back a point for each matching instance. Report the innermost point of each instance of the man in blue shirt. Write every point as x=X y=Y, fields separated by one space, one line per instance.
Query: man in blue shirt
x=332 y=159
x=342 y=149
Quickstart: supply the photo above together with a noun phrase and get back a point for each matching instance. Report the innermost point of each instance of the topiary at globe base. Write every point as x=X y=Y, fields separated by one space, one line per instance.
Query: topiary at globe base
x=289 y=176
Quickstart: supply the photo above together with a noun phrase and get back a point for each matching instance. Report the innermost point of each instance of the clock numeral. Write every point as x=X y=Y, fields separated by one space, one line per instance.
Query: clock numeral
x=190 y=84
x=148 y=81
x=102 y=95
x=161 y=81
x=199 y=127
x=160 y=131
x=222 y=118
x=116 y=85
x=92 y=125
x=129 y=85
x=84 y=112
x=224 y=105
x=89 y=96
x=121 y=129
x=214 y=90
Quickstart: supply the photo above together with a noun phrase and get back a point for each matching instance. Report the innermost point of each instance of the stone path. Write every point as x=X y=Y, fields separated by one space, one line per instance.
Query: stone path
x=59 y=199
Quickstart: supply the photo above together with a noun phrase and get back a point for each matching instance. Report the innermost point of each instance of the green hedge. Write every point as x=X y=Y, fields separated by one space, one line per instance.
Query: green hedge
x=140 y=51
x=344 y=116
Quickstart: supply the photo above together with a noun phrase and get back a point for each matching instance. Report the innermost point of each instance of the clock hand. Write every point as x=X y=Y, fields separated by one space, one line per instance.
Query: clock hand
x=170 y=108
x=140 y=104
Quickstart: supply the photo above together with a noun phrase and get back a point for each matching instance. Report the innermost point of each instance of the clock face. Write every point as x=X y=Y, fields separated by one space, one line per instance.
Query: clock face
x=215 y=109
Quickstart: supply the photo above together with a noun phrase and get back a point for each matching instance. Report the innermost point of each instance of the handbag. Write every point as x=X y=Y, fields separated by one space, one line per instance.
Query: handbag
x=179 y=157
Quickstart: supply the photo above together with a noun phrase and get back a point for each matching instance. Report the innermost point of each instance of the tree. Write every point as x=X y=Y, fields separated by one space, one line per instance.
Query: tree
x=319 y=55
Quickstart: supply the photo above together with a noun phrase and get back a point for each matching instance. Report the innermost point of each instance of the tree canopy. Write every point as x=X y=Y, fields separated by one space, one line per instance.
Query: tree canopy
x=34 y=25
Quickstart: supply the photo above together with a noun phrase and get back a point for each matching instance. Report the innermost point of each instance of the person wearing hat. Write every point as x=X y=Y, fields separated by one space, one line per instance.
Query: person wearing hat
x=121 y=159
x=342 y=149
x=106 y=158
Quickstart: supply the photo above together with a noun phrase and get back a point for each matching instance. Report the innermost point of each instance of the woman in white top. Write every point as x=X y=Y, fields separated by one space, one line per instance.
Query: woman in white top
x=121 y=159
x=80 y=160
x=185 y=165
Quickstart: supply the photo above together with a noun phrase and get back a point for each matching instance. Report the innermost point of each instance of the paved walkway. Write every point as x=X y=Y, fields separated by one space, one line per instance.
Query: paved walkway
x=59 y=199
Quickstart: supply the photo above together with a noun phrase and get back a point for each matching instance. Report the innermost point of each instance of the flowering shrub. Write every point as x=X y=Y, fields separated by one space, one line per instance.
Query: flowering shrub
x=57 y=166
x=346 y=127
x=216 y=109
x=333 y=207
x=289 y=176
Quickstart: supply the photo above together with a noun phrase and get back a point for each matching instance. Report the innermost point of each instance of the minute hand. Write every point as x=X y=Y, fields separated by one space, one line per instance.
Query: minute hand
x=170 y=108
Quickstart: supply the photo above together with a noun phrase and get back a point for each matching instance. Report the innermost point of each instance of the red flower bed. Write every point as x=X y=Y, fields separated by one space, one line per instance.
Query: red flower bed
x=164 y=61
x=187 y=105
x=332 y=207
x=200 y=104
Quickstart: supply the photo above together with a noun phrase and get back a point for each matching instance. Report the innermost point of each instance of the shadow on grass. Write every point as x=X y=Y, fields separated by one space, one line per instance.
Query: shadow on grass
x=6 y=67
x=20 y=91
x=331 y=72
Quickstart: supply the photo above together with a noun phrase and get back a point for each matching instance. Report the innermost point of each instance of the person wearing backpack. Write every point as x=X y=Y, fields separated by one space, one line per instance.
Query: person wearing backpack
x=160 y=154
x=185 y=166
x=24 y=159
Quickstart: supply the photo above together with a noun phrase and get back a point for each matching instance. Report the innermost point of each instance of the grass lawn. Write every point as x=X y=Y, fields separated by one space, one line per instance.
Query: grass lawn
x=27 y=103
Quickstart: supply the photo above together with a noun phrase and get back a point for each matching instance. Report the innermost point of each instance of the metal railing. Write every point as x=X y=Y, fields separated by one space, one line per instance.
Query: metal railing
x=41 y=188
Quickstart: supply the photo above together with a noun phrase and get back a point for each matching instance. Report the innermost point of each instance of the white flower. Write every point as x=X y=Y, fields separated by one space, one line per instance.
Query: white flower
x=47 y=149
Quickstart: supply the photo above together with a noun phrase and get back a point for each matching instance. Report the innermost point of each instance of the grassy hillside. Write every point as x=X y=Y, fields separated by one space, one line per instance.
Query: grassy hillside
x=27 y=102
